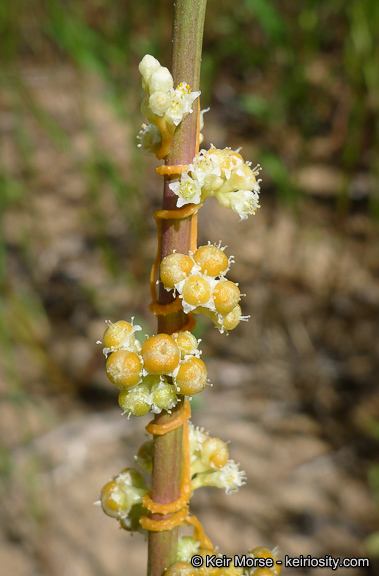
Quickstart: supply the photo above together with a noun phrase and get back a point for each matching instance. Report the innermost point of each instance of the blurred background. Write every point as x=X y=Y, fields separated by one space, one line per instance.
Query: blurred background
x=296 y=84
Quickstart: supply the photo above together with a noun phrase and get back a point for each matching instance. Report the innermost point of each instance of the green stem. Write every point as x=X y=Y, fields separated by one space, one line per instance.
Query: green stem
x=188 y=25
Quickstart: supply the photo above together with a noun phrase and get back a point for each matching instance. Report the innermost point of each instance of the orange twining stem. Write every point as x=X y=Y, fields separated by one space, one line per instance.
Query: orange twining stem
x=185 y=492
x=166 y=170
x=167 y=524
x=199 y=533
x=164 y=309
x=182 y=416
x=184 y=212
x=179 y=508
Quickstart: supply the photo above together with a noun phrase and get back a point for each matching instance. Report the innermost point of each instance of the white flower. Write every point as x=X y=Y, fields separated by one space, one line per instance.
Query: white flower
x=181 y=103
x=187 y=189
x=243 y=202
x=203 y=169
x=150 y=138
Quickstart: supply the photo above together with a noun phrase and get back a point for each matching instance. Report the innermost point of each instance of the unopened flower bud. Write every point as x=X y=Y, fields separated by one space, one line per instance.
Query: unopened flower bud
x=135 y=402
x=123 y=492
x=175 y=268
x=192 y=377
x=147 y=66
x=196 y=291
x=187 y=343
x=160 y=354
x=124 y=369
x=160 y=81
x=116 y=333
x=231 y=320
x=226 y=296
x=214 y=453
x=163 y=396
x=159 y=102
x=211 y=260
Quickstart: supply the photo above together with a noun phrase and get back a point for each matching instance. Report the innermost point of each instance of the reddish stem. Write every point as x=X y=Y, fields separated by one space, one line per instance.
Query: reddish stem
x=188 y=24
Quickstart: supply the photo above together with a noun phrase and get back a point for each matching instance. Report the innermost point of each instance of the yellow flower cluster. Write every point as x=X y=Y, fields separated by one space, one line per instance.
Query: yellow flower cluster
x=199 y=279
x=152 y=375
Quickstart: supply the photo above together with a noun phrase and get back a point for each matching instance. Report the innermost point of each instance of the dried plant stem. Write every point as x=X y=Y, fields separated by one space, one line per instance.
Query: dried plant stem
x=188 y=24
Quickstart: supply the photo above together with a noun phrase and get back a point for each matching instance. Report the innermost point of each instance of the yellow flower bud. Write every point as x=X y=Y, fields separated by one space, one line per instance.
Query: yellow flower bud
x=124 y=369
x=160 y=354
x=175 y=268
x=232 y=319
x=116 y=333
x=214 y=453
x=226 y=296
x=196 y=291
x=212 y=260
x=110 y=498
x=186 y=341
x=192 y=377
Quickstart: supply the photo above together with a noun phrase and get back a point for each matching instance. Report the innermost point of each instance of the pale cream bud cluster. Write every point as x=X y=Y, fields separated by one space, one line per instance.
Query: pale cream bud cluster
x=152 y=375
x=164 y=106
x=223 y=174
x=210 y=464
x=199 y=280
x=121 y=498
